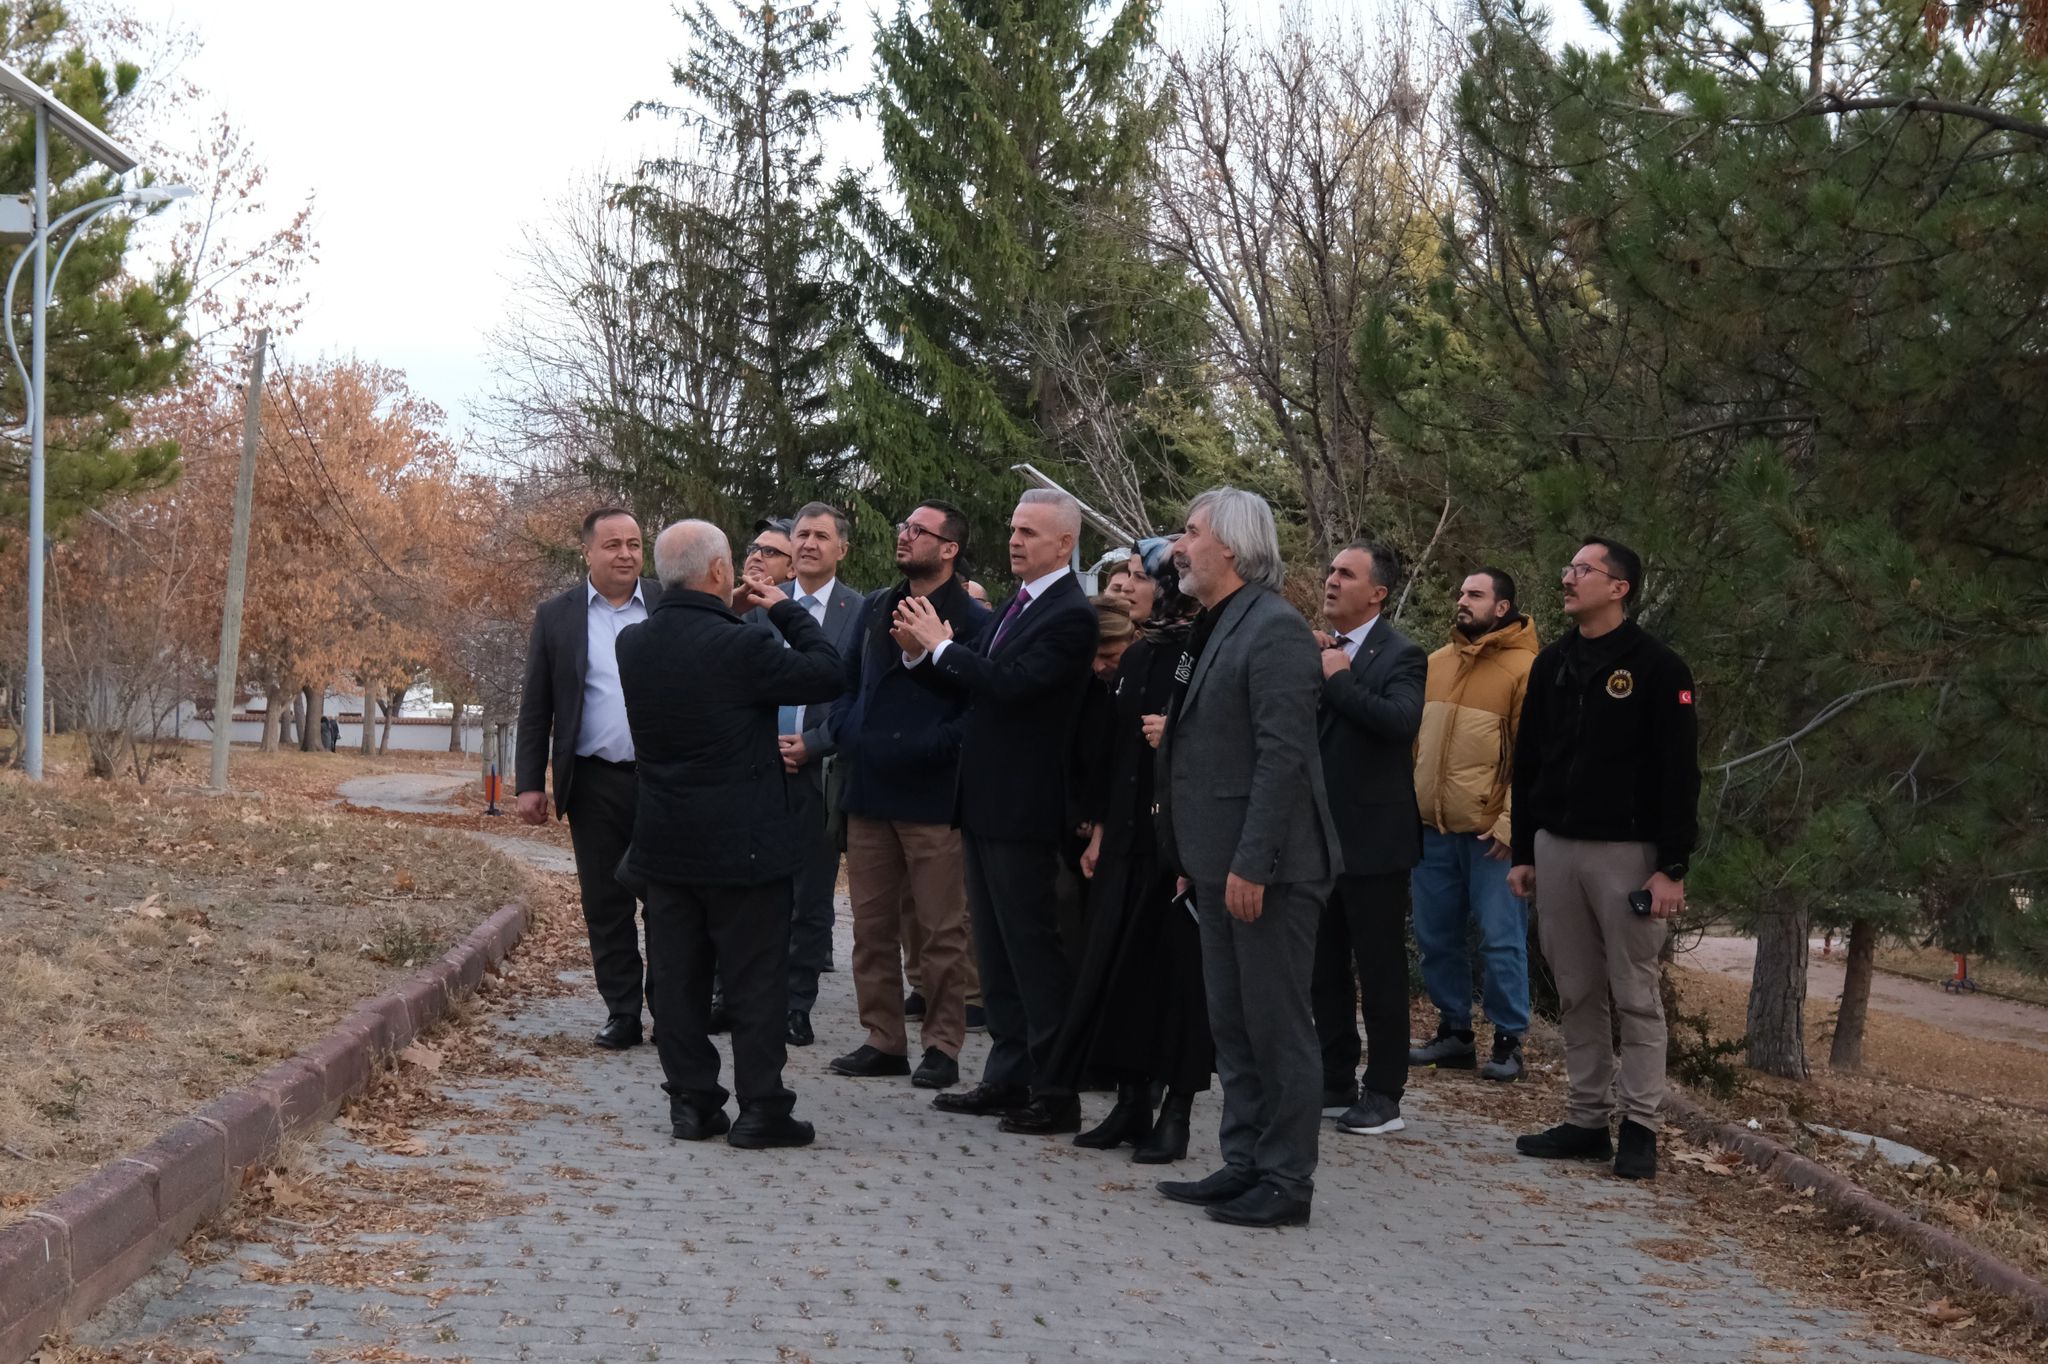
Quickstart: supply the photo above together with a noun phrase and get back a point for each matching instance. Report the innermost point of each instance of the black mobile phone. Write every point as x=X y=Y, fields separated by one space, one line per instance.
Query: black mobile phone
x=1639 y=902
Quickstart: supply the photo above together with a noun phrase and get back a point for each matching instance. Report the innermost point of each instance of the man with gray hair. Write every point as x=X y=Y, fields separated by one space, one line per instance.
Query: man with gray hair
x=1244 y=817
x=1024 y=678
x=716 y=842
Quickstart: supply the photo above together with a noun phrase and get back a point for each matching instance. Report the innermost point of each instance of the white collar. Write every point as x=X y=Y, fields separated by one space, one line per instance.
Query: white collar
x=1357 y=637
x=1036 y=587
x=591 y=594
x=823 y=594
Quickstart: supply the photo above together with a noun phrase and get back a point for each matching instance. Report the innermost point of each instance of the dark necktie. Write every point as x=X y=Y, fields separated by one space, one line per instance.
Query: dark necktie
x=1014 y=610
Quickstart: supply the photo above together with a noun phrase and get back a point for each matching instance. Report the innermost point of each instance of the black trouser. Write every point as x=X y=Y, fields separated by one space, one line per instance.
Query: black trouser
x=1024 y=973
x=811 y=914
x=744 y=932
x=1363 y=924
x=601 y=798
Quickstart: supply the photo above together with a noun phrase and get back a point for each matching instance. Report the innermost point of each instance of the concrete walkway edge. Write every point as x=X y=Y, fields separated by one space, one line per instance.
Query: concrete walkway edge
x=1788 y=1167
x=78 y=1250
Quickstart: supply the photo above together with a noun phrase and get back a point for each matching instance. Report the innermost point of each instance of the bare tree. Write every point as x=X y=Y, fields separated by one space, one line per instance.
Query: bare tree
x=1299 y=182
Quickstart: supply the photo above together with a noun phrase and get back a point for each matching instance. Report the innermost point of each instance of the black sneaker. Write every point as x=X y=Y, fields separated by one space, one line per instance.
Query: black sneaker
x=913 y=1005
x=1372 y=1115
x=1637 y=1156
x=1567 y=1142
x=870 y=1063
x=1451 y=1049
x=1507 y=1059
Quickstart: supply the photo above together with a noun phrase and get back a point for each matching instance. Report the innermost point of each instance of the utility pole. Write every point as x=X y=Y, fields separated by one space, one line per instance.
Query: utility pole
x=238 y=570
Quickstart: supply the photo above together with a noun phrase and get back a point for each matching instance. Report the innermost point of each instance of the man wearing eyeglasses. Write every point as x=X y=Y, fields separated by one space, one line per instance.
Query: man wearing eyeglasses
x=771 y=554
x=898 y=736
x=1606 y=800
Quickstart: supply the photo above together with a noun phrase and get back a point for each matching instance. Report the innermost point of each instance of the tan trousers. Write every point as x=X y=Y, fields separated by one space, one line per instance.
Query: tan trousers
x=913 y=950
x=891 y=867
x=1601 y=950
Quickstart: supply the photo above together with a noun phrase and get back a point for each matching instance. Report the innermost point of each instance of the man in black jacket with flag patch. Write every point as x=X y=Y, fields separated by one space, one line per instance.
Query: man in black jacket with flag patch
x=1606 y=800
x=716 y=834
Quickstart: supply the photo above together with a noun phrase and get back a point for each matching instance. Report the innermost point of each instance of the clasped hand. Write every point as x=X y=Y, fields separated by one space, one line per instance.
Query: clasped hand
x=917 y=628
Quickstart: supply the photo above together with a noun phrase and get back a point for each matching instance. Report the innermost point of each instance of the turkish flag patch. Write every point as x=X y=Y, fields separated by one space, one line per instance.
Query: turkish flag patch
x=1685 y=698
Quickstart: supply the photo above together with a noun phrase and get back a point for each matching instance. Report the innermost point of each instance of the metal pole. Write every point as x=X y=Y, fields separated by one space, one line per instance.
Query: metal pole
x=238 y=570
x=32 y=685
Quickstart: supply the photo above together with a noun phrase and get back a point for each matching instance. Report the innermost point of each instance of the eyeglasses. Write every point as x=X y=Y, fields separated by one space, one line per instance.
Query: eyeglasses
x=757 y=550
x=913 y=530
x=1574 y=572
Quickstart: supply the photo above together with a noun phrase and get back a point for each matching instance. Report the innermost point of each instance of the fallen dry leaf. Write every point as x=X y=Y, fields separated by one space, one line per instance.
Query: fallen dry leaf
x=420 y=1054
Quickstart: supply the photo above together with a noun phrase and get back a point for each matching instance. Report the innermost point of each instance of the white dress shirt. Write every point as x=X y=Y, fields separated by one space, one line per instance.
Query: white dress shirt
x=603 y=732
x=1353 y=638
x=1032 y=590
x=823 y=596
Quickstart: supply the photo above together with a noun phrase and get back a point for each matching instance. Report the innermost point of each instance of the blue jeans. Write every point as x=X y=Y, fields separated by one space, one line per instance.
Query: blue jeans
x=1457 y=880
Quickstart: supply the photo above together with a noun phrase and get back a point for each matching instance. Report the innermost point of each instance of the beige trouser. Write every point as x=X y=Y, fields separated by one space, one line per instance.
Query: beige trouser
x=913 y=950
x=892 y=868
x=1599 y=948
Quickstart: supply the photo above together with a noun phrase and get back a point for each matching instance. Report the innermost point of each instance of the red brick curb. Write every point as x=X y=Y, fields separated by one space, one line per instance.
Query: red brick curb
x=71 y=1255
x=1845 y=1196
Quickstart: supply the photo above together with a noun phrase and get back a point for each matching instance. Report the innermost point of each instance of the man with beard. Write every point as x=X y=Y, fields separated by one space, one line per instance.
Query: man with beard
x=1607 y=791
x=898 y=735
x=1464 y=768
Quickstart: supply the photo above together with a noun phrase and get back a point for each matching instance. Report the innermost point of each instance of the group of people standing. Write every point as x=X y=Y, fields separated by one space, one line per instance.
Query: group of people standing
x=1167 y=833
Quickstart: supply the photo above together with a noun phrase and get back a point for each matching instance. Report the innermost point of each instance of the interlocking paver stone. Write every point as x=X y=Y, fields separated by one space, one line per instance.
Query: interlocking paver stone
x=908 y=1235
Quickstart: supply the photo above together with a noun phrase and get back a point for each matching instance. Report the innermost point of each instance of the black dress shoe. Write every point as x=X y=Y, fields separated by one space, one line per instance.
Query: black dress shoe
x=867 y=1063
x=984 y=1100
x=695 y=1124
x=758 y=1131
x=1169 y=1140
x=617 y=1034
x=1044 y=1117
x=1265 y=1205
x=721 y=1017
x=1226 y=1184
x=800 y=1034
x=936 y=1071
x=913 y=1005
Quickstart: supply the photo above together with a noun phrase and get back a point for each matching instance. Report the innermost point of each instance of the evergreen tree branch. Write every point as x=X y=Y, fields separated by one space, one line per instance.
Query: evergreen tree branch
x=1821 y=718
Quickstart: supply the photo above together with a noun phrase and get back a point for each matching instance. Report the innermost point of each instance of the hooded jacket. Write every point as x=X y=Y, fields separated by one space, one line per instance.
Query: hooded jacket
x=1471 y=709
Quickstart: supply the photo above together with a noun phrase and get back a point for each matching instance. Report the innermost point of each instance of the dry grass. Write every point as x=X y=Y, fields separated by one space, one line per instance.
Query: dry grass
x=156 y=947
x=1927 y=963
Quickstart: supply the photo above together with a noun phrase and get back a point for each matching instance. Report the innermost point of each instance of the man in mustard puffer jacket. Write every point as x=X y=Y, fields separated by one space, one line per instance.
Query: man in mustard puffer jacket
x=1464 y=772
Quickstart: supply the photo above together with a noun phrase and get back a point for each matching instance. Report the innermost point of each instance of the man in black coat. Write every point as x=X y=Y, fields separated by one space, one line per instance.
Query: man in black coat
x=1024 y=681
x=572 y=718
x=716 y=841
x=1373 y=680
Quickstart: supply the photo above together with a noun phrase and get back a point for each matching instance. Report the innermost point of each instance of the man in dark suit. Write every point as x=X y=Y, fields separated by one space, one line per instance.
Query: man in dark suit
x=715 y=840
x=1373 y=679
x=1024 y=682
x=819 y=535
x=1245 y=818
x=571 y=709
x=898 y=731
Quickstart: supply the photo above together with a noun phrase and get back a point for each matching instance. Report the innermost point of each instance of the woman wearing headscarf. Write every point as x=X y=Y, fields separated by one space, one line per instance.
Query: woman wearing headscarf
x=1138 y=1015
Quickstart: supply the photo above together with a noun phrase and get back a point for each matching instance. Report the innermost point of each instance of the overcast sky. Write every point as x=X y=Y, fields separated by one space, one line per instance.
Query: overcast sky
x=435 y=132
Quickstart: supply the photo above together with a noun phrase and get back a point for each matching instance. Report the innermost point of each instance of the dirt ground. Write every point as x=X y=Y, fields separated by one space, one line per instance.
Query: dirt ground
x=158 y=945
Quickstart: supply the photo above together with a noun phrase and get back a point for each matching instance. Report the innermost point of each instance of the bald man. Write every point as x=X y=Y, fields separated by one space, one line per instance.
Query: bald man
x=715 y=836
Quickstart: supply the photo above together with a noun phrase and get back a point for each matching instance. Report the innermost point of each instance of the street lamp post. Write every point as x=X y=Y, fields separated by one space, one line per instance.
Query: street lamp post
x=94 y=142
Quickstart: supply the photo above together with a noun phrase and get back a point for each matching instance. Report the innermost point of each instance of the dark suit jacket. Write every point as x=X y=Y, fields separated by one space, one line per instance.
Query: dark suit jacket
x=898 y=729
x=1369 y=718
x=551 y=701
x=1023 y=701
x=1240 y=781
x=701 y=688
x=842 y=627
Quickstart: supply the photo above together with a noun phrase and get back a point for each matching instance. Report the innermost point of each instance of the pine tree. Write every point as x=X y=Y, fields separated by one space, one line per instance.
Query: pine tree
x=112 y=339
x=1015 y=136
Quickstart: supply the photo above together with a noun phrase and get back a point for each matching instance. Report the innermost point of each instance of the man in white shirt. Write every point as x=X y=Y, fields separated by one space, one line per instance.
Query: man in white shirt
x=572 y=719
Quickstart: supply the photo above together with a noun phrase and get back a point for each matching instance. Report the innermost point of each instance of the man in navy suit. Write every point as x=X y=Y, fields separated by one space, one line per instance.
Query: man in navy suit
x=1024 y=683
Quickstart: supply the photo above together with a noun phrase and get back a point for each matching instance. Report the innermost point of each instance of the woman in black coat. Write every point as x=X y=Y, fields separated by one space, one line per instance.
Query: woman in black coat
x=1138 y=1013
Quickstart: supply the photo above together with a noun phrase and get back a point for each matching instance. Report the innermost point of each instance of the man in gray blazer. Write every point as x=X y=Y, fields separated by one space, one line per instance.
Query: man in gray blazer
x=1245 y=819
x=819 y=535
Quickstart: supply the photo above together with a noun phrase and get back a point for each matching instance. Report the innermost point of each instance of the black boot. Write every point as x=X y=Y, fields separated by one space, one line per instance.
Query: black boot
x=1169 y=1139
x=1127 y=1122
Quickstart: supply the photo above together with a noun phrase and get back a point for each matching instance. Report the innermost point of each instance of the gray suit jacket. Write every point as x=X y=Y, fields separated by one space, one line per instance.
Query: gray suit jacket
x=842 y=627
x=1240 y=775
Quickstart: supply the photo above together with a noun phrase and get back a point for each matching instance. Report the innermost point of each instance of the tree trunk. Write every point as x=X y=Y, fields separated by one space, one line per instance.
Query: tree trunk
x=1777 y=994
x=391 y=706
x=309 y=733
x=368 y=745
x=273 y=718
x=294 y=721
x=456 y=706
x=1846 y=1053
